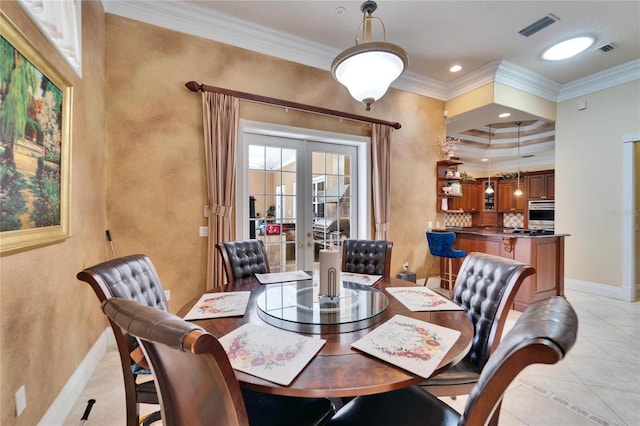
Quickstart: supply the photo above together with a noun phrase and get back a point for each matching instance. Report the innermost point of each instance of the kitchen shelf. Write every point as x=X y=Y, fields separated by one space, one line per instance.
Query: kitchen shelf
x=442 y=180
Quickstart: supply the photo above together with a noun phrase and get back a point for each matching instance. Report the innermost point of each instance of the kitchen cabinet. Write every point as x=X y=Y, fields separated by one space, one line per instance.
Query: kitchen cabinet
x=507 y=202
x=485 y=219
x=541 y=186
x=470 y=196
x=544 y=253
x=470 y=201
x=488 y=200
x=446 y=171
x=488 y=213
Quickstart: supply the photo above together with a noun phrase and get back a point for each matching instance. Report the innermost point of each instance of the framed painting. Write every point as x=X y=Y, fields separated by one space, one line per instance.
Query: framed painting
x=35 y=139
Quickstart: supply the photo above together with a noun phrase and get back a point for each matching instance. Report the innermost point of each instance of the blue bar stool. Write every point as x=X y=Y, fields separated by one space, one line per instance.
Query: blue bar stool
x=440 y=245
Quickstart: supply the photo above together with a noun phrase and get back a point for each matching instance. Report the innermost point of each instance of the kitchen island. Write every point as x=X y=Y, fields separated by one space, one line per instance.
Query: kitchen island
x=543 y=251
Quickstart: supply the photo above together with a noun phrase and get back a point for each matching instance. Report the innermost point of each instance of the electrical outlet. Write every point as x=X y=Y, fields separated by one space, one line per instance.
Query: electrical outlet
x=167 y=295
x=21 y=400
x=204 y=231
x=206 y=211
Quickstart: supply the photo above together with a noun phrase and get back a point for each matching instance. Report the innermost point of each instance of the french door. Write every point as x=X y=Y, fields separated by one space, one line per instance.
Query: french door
x=298 y=196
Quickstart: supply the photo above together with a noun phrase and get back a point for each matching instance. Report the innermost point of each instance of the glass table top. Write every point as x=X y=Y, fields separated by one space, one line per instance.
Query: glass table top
x=297 y=306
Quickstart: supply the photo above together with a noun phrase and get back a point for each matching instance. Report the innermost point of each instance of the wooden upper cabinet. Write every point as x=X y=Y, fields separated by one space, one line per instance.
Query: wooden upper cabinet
x=541 y=186
x=507 y=202
x=470 y=201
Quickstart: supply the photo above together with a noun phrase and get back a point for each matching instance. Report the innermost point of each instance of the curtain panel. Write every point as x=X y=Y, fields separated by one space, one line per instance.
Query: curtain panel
x=381 y=179
x=220 y=122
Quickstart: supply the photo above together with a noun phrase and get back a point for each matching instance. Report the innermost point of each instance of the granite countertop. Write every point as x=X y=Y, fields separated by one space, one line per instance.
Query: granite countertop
x=494 y=231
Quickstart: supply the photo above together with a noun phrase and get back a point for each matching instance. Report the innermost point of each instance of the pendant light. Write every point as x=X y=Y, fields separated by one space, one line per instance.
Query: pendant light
x=489 y=189
x=368 y=68
x=518 y=191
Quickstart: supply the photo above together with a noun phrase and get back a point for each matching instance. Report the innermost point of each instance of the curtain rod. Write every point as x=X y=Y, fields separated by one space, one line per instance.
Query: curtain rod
x=196 y=87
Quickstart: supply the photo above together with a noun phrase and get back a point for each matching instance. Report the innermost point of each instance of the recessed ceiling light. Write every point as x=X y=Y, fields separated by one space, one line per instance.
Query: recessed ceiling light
x=455 y=68
x=567 y=48
x=504 y=115
x=484 y=160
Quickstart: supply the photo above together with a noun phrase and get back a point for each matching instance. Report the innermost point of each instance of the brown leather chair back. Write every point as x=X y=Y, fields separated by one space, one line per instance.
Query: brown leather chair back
x=195 y=380
x=485 y=288
x=131 y=277
x=243 y=259
x=543 y=334
x=371 y=257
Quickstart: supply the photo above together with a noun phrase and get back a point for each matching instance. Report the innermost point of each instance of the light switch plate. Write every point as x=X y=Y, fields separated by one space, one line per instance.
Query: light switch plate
x=21 y=400
x=204 y=231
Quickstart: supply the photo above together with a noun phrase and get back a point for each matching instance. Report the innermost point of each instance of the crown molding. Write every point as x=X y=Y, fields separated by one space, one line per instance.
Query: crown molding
x=615 y=76
x=520 y=78
x=197 y=21
x=414 y=83
x=472 y=80
x=193 y=20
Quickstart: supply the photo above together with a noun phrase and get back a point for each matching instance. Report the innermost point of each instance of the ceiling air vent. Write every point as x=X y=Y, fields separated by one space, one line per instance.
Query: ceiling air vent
x=538 y=25
x=607 y=47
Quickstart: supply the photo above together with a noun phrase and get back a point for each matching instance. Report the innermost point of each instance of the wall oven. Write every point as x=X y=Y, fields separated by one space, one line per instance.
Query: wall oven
x=541 y=214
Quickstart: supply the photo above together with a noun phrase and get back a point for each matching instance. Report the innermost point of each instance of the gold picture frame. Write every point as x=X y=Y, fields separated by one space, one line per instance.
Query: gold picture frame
x=35 y=145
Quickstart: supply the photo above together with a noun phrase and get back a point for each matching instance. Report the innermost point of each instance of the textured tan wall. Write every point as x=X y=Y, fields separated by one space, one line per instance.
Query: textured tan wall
x=49 y=320
x=156 y=176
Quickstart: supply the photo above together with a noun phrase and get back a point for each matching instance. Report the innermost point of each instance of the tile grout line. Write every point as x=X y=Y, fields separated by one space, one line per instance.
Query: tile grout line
x=592 y=417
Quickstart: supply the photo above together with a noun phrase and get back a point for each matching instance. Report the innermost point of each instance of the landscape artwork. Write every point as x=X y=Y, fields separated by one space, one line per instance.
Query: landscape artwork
x=34 y=145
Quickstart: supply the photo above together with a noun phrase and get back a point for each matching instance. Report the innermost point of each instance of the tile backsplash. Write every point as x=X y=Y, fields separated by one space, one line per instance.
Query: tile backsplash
x=513 y=220
x=509 y=220
x=457 y=219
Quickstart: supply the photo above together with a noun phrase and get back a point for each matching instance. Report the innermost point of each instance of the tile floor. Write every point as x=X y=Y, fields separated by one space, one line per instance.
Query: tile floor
x=597 y=383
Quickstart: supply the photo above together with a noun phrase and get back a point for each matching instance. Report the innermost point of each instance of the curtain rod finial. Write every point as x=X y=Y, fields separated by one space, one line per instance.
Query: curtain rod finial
x=194 y=86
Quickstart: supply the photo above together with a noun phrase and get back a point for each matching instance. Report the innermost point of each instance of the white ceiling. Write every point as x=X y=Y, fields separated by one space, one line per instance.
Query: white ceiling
x=482 y=36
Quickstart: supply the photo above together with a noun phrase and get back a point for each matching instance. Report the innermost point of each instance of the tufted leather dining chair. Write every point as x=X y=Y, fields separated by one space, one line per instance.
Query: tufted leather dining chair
x=543 y=334
x=371 y=257
x=196 y=382
x=486 y=287
x=243 y=259
x=131 y=277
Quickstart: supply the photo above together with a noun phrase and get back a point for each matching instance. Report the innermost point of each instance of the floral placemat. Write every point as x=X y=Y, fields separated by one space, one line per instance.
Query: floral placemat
x=281 y=277
x=422 y=299
x=271 y=354
x=414 y=345
x=362 y=279
x=216 y=305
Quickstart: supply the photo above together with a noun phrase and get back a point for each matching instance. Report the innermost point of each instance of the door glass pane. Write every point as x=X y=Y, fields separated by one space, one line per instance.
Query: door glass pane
x=272 y=179
x=294 y=218
x=331 y=198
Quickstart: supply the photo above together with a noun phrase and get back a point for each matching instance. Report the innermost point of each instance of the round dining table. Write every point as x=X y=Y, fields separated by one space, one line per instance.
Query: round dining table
x=338 y=370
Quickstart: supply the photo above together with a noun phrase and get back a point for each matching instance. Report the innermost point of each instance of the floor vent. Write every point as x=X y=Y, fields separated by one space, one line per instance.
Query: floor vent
x=607 y=47
x=538 y=25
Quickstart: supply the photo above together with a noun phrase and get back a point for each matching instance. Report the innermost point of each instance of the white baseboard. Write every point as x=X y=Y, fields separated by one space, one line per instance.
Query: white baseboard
x=61 y=408
x=621 y=293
